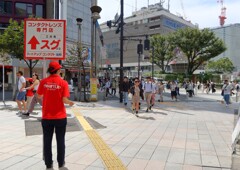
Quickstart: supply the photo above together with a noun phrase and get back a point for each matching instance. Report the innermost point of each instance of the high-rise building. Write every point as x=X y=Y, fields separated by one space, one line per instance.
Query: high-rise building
x=150 y=20
x=230 y=34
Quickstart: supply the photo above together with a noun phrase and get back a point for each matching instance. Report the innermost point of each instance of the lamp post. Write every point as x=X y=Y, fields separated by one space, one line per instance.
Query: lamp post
x=79 y=87
x=95 y=16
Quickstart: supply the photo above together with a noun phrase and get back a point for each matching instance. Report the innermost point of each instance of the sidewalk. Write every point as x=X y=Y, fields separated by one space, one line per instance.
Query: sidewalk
x=185 y=135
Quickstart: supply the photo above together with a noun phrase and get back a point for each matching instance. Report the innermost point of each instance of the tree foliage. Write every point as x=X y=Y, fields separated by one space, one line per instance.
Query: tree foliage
x=199 y=46
x=163 y=51
x=223 y=65
x=13 y=42
x=76 y=59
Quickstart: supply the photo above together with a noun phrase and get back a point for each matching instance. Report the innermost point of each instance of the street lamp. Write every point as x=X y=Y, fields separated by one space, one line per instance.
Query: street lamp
x=95 y=16
x=79 y=23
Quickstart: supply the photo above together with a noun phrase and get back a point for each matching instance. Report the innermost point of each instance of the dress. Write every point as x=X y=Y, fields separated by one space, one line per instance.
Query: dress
x=136 y=96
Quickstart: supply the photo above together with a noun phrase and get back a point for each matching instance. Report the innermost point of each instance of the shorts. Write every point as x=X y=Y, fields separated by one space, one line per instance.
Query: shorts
x=21 y=96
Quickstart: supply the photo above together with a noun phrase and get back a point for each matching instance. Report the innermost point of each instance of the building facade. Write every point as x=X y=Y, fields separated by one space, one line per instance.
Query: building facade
x=150 y=20
x=68 y=10
x=230 y=34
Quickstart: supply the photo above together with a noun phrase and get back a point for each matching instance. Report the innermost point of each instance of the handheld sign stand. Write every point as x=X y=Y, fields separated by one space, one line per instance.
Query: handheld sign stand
x=44 y=40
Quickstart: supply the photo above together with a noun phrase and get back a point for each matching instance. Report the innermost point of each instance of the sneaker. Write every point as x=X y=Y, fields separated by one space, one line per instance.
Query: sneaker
x=26 y=114
x=136 y=112
x=150 y=107
x=49 y=166
x=61 y=165
x=125 y=104
x=147 y=110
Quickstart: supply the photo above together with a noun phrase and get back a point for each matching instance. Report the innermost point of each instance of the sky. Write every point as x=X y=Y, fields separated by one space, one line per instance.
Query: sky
x=205 y=13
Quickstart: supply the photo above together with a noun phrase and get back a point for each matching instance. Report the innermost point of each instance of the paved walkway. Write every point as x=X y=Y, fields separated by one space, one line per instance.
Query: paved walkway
x=190 y=134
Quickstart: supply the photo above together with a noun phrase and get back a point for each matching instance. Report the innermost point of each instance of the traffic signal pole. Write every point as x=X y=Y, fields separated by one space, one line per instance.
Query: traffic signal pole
x=121 y=51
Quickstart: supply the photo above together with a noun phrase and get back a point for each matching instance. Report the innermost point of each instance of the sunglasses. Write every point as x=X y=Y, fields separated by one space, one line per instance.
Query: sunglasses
x=136 y=81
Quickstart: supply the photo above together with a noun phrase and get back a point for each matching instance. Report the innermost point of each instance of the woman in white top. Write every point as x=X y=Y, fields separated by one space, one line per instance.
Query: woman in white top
x=226 y=91
x=35 y=99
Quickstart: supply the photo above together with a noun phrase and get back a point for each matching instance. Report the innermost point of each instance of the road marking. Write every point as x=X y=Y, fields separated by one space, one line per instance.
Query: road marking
x=109 y=158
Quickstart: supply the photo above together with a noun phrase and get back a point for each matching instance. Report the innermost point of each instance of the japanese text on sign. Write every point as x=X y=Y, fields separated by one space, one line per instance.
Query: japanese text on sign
x=44 y=39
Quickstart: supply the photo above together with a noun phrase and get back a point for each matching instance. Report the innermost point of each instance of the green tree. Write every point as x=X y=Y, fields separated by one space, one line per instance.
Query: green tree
x=221 y=65
x=76 y=59
x=13 y=42
x=163 y=51
x=199 y=46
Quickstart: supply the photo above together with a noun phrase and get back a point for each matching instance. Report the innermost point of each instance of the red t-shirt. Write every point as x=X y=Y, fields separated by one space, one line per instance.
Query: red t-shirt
x=30 y=92
x=53 y=89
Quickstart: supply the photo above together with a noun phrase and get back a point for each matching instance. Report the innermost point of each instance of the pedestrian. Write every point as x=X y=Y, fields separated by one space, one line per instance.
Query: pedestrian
x=125 y=90
x=114 y=86
x=173 y=88
x=55 y=93
x=107 y=87
x=29 y=93
x=160 y=91
x=75 y=86
x=35 y=99
x=148 y=88
x=135 y=91
x=226 y=91
x=154 y=91
x=20 y=99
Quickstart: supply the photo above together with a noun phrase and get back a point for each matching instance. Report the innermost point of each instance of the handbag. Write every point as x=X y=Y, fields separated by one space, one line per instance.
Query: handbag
x=129 y=95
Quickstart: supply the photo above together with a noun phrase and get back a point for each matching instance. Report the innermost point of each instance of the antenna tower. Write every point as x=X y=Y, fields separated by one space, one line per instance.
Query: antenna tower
x=222 y=17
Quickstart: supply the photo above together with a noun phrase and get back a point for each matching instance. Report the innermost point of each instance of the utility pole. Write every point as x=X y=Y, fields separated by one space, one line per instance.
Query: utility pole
x=121 y=51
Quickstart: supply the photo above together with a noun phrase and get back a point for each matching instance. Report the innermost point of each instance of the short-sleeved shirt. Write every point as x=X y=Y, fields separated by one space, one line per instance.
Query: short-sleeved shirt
x=227 y=88
x=53 y=89
x=20 y=82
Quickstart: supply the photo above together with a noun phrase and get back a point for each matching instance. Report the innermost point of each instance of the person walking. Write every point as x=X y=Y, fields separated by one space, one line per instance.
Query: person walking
x=173 y=88
x=154 y=91
x=160 y=91
x=108 y=86
x=135 y=90
x=125 y=90
x=20 y=99
x=35 y=99
x=54 y=91
x=148 y=89
x=114 y=86
x=226 y=91
x=29 y=93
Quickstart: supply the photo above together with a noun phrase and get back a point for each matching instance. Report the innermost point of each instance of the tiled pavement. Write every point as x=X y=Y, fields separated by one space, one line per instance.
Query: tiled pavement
x=186 y=135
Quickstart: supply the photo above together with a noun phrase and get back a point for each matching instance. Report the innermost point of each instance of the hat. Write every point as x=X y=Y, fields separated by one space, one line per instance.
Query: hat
x=53 y=66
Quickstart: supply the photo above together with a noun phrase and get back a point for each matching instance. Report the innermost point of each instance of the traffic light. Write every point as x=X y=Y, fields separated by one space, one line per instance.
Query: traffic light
x=140 y=49
x=146 y=44
x=109 y=67
x=109 y=24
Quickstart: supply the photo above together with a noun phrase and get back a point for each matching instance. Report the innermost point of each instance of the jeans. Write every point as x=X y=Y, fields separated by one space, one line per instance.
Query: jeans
x=125 y=97
x=48 y=129
x=227 y=98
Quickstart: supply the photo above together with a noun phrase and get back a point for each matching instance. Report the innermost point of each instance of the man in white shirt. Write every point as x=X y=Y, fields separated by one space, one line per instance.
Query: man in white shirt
x=148 y=89
x=227 y=88
x=20 y=99
x=107 y=86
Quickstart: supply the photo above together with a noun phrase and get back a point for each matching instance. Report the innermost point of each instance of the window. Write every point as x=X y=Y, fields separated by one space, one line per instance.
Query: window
x=5 y=8
x=154 y=27
x=23 y=9
x=39 y=11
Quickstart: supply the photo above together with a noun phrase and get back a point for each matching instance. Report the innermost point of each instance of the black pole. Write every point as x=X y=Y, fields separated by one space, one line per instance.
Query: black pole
x=121 y=52
x=152 y=62
x=139 y=55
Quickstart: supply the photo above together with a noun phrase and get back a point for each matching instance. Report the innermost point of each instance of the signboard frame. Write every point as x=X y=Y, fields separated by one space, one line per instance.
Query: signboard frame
x=47 y=21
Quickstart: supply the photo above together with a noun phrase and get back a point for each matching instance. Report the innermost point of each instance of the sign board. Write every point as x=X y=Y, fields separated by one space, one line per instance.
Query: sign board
x=44 y=39
x=94 y=89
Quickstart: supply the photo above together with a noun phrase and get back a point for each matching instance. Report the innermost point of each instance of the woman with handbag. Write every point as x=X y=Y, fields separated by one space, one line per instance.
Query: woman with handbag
x=226 y=91
x=135 y=91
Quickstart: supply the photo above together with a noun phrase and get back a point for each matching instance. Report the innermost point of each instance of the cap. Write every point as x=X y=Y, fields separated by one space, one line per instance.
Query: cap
x=53 y=66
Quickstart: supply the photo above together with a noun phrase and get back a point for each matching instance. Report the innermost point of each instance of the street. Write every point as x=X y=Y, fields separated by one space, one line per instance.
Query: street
x=190 y=134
